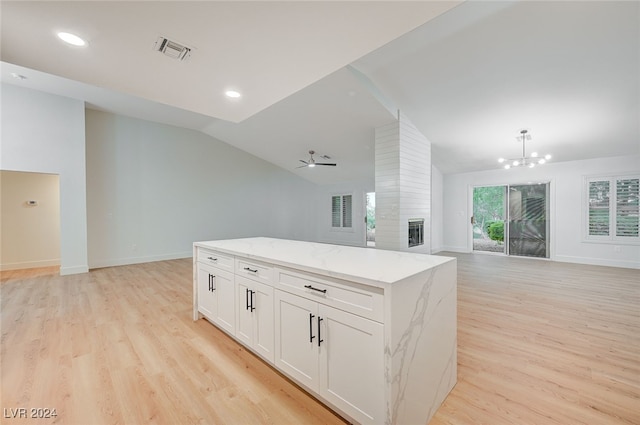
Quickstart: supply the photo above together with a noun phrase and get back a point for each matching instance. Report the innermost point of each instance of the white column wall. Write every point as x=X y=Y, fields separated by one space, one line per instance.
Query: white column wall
x=402 y=184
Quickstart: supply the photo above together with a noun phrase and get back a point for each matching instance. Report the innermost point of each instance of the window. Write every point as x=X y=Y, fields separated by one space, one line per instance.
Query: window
x=341 y=215
x=613 y=211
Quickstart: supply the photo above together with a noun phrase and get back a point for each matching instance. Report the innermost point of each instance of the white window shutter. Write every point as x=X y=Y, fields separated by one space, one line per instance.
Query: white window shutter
x=627 y=207
x=599 y=194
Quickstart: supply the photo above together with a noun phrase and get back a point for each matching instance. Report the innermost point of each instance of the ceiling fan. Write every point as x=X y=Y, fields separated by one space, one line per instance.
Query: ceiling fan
x=312 y=162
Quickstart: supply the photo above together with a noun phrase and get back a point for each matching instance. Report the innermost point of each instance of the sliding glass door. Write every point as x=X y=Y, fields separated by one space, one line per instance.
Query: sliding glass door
x=529 y=220
x=511 y=219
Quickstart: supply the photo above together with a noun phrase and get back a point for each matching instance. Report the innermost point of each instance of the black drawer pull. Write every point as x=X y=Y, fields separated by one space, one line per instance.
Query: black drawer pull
x=212 y=259
x=212 y=282
x=324 y=291
x=251 y=270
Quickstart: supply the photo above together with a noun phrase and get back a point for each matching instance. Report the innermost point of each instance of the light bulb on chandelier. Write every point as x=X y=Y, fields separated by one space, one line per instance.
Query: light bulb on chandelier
x=524 y=160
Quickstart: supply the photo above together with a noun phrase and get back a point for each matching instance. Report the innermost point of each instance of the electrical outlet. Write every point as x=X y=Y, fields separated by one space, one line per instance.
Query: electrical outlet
x=134 y=247
x=617 y=248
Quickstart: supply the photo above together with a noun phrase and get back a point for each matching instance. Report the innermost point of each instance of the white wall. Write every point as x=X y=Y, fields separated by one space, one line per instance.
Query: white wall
x=154 y=189
x=29 y=233
x=567 y=205
x=437 y=200
x=355 y=236
x=45 y=133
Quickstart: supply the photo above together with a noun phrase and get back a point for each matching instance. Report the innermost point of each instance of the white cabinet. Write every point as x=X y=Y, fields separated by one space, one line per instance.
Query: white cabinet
x=216 y=295
x=207 y=299
x=334 y=353
x=254 y=316
x=352 y=364
x=296 y=338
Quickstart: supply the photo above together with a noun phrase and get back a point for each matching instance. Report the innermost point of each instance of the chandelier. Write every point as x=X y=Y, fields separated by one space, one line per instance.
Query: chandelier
x=524 y=160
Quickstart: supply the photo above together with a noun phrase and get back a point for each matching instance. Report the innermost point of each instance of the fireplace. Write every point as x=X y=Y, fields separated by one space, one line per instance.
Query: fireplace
x=416 y=231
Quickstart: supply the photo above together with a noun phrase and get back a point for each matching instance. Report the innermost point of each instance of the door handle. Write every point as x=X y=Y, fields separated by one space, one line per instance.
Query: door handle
x=320 y=319
x=246 y=299
x=311 y=336
x=212 y=282
x=251 y=294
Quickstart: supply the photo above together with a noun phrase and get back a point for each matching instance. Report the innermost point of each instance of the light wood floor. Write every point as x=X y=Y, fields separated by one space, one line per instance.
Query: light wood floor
x=538 y=343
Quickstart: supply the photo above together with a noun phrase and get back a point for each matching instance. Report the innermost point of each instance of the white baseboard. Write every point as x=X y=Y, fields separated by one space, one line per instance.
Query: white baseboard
x=598 y=261
x=73 y=270
x=138 y=260
x=462 y=249
x=30 y=264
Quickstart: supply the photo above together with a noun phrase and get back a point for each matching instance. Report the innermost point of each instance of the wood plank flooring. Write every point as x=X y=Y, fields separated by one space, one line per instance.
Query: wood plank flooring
x=538 y=343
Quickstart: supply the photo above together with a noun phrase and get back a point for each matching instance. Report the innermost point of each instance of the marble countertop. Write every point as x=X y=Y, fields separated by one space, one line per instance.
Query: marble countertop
x=369 y=266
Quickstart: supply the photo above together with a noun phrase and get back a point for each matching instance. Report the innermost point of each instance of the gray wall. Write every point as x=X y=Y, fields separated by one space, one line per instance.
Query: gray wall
x=154 y=189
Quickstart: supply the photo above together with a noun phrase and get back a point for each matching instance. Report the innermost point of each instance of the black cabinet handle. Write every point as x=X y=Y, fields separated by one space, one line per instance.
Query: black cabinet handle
x=251 y=270
x=311 y=336
x=320 y=319
x=248 y=298
x=212 y=259
x=324 y=291
x=212 y=282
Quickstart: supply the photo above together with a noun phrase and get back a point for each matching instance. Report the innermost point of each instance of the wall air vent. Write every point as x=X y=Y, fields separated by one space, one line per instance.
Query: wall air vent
x=172 y=49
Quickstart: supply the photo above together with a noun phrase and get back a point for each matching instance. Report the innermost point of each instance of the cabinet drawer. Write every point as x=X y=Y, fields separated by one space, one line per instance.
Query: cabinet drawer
x=255 y=270
x=213 y=258
x=347 y=296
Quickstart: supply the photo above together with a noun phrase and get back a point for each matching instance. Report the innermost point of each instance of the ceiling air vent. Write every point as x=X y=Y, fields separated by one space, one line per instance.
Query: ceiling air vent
x=172 y=49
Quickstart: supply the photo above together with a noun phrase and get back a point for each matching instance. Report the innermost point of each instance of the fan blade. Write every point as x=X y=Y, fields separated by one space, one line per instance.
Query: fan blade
x=325 y=163
x=303 y=166
x=304 y=162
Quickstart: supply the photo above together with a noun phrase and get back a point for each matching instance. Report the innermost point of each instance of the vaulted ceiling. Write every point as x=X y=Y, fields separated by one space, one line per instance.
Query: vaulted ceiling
x=323 y=75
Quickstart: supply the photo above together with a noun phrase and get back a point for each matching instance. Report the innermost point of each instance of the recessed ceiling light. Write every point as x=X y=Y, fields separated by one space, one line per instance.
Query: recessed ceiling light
x=232 y=94
x=71 y=39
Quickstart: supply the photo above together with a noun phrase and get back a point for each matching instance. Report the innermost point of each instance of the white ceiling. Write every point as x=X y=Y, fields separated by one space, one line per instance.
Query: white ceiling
x=470 y=78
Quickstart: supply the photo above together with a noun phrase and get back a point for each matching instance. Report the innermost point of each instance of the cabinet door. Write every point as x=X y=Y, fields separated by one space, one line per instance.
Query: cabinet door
x=296 y=351
x=225 y=311
x=352 y=364
x=263 y=335
x=244 y=315
x=206 y=291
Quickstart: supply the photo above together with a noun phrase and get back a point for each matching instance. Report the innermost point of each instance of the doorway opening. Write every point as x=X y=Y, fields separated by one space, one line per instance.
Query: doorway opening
x=30 y=224
x=370 y=219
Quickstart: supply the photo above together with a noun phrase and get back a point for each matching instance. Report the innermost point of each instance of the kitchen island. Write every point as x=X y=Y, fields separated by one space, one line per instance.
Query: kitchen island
x=370 y=333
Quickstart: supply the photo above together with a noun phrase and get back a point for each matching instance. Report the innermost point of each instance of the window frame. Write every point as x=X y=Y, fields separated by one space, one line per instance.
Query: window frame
x=612 y=237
